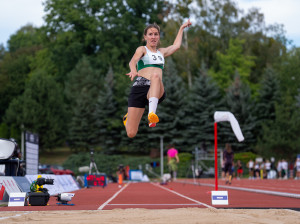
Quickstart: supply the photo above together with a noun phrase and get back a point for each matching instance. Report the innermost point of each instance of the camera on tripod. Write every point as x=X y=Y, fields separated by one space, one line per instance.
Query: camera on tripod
x=92 y=161
x=39 y=195
x=43 y=181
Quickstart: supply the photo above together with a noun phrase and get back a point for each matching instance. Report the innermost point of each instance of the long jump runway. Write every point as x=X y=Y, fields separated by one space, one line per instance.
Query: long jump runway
x=181 y=194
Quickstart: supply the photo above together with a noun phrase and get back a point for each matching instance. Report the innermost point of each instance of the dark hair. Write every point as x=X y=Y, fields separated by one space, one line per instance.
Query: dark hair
x=154 y=25
x=171 y=146
x=228 y=147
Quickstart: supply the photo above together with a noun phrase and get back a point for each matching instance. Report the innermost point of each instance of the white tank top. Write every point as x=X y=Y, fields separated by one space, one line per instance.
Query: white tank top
x=298 y=165
x=268 y=166
x=151 y=59
x=251 y=163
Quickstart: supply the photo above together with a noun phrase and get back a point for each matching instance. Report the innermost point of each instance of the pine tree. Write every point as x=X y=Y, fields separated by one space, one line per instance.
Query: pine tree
x=281 y=136
x=205 y=99
x=298 y=99
x=82 y=130
x=240 y=104
x=269 y=95
x=108 y=124
x=82 y=90
x=41 y=109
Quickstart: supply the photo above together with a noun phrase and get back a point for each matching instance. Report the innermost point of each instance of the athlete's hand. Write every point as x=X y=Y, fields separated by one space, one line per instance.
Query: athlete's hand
x=186 y=24
x=132 y=75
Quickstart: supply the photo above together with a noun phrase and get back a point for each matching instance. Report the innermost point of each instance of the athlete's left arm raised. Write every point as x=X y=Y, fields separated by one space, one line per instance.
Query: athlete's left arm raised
x=177 y=43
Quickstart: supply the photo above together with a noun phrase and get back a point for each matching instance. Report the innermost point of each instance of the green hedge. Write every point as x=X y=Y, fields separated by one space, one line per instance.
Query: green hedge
x=109 y=163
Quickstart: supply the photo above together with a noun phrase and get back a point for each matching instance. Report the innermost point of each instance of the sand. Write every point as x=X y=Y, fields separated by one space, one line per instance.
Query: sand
x=153 y=216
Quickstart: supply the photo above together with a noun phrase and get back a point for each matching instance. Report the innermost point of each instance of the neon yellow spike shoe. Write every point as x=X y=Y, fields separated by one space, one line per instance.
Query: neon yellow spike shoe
x=125 y=119
x=153 y=119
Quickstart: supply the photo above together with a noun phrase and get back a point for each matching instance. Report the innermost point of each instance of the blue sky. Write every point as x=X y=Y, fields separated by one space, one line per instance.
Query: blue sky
x=16 y=13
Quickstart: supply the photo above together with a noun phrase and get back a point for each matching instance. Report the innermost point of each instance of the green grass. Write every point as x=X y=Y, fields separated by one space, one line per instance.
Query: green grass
x=55 y=157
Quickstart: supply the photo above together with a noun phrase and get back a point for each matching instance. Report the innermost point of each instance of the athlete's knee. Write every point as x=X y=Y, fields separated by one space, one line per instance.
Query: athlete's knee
x=155 y=76
x=131 y=133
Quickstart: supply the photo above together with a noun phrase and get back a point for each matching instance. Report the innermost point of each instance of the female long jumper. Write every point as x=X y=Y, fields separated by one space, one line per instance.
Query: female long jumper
x=147 y=63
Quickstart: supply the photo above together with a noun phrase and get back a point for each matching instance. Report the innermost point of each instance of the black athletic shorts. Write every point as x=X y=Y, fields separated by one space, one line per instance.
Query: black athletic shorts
x=138 y=96
x=228 y=168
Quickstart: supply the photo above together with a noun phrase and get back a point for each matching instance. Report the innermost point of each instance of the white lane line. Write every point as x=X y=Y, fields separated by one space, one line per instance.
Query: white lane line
x=115 y=195
x=14 y=216
x=152 y=204
x=276 y=193
x=181 y=195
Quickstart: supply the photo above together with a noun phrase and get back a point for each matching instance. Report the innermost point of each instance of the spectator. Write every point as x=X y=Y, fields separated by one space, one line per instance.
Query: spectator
x=239 y=169
x=223 y=169
x=267 y=167
x=262 y=167
x=297 y=166
x=173 y=160
x=250 y=166
x=285 y=167
x=291 y=170
x=233 y=169
x=121 y=174
x=279 y=169
x=256 y=170
x=228 y=157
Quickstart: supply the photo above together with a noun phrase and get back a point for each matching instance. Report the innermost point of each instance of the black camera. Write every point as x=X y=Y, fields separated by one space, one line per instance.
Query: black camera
x=43 y=181
x=39 y=195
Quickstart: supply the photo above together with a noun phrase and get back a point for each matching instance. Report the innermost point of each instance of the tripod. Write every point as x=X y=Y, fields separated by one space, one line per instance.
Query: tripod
x=92 y=163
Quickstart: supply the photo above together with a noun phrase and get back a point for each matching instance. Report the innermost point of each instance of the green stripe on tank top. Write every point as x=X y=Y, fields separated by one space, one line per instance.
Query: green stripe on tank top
x=141 y=65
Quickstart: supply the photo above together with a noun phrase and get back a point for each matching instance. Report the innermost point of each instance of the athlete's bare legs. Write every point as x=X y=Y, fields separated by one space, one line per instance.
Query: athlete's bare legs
x=133 y=120
x=156 y=87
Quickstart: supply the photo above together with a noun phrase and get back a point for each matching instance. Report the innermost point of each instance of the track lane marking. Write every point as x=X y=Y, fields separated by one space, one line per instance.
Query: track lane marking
x=113 y=197
x=183 y=196
x=14 y=216
x=151 y=204
x=276 y=193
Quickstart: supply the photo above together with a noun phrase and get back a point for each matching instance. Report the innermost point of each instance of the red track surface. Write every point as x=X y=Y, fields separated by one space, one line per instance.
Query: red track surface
x=176 y=195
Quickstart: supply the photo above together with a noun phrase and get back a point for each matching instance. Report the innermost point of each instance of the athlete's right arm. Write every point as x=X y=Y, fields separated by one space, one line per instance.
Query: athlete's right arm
x=140 y=51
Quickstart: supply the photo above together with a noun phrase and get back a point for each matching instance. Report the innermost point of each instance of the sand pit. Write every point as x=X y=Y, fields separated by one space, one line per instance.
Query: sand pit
x=163 y=216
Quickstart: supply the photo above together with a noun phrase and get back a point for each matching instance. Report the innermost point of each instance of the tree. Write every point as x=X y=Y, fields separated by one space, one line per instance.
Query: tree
x=205 y=99
x=289 y=73
x=240 y=104
x=15 y=64
x=41 y=109
x=281 y=137
x=26 y=37
x=2 y=52
x=82 y=129
x=269 y=96
x=82 y=96
x=108 y=123
x=230 y=63
x=4 y=132
x=108 y=31
x=298 y=99
x=220 y=21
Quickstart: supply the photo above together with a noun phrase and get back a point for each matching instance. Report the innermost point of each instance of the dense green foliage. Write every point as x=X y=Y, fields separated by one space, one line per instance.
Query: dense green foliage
x=66 y=80
x=109 y=163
